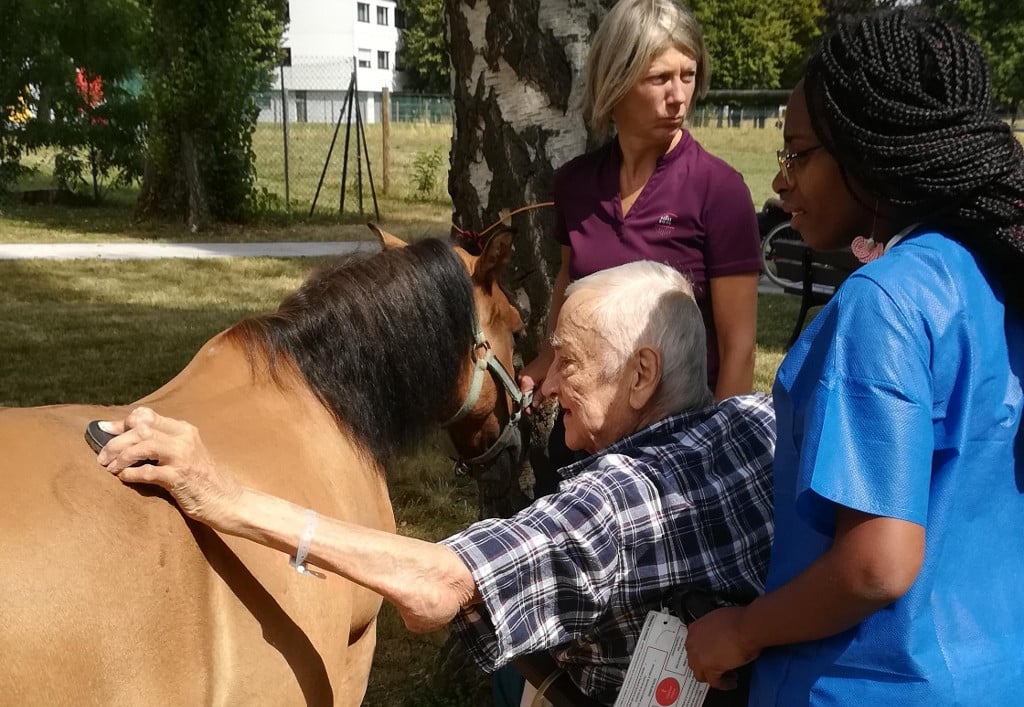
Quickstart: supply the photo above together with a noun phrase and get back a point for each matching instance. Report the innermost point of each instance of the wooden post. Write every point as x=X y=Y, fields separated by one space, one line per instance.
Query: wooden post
x=385 y=132
x=284 y=136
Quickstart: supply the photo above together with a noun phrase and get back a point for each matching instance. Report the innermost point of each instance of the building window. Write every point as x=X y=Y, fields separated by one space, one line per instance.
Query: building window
x=364 y=59
x=300 y=106
x=382 y=15
x=364 y=11
x=382 y=60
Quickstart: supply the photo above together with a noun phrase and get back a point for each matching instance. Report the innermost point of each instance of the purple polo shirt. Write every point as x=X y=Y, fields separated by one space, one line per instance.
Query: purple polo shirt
x=694 y=214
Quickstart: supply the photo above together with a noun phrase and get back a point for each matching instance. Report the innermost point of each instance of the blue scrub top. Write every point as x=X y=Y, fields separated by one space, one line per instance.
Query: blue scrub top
x=903 y=399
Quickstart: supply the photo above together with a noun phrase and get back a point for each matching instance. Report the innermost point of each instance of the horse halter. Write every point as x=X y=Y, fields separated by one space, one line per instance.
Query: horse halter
x=484 y=360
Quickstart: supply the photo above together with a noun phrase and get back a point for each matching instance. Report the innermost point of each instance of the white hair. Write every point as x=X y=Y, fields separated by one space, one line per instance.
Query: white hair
x=631 y=36
x=650 y=304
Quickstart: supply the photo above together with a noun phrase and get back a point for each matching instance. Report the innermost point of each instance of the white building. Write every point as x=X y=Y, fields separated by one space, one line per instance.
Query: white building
x=325 y=39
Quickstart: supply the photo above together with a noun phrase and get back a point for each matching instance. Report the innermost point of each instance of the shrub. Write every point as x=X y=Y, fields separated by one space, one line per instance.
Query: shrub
x=425 y=167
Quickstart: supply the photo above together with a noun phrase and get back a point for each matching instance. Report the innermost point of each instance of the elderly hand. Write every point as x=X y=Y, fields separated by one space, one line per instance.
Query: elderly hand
x=716 y=645
x=183 y=464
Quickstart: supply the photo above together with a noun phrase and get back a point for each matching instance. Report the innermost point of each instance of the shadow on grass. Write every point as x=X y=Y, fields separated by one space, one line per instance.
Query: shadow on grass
x=110 y=332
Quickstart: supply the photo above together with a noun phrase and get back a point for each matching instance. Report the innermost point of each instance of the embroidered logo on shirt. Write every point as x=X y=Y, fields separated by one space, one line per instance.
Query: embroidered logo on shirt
x=666 y=224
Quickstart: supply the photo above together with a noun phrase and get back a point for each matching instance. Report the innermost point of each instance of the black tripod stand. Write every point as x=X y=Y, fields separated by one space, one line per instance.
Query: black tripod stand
x=351 y=103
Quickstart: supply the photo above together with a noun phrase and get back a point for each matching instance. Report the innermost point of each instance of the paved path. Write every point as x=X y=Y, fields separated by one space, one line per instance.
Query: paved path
x=152 y=251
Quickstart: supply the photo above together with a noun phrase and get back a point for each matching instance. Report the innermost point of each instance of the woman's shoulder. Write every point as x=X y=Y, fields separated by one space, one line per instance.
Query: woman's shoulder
x=716 y=172
x=710 y=161
x=928 y=276
x=927 y=260
x=585 y=174
x=587 y=162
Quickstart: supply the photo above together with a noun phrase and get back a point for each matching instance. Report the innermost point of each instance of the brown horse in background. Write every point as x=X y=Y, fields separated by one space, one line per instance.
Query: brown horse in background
x=110 y=596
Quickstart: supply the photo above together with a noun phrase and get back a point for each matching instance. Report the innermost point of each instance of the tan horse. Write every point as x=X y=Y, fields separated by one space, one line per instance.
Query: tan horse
x=109 y=596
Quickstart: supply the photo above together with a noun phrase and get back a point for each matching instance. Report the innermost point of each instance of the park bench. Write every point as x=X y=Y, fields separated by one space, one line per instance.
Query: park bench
x=800 y=270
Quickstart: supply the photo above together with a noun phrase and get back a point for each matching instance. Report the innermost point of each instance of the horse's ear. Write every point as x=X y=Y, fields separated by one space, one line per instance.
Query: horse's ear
x=494 y=258
x=386 y=239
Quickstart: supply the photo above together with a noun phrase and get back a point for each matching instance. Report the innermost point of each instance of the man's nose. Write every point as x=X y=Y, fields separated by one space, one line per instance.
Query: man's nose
x=549 y=386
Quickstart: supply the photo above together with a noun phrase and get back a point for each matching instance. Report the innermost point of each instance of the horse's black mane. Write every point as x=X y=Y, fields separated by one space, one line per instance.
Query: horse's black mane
x=380 y=339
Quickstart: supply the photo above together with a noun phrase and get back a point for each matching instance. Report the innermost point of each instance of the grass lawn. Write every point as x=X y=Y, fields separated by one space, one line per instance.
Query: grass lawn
x=407 y=211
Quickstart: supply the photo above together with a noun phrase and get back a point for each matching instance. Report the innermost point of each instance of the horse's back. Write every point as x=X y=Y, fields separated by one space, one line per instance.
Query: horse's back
x=85 y=560
x=112 y=597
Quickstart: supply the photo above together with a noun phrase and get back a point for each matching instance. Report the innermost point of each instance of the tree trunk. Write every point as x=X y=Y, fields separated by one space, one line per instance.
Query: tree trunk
x=516 y=68
x=517 y=82
x=198 y=206
x=146 y=204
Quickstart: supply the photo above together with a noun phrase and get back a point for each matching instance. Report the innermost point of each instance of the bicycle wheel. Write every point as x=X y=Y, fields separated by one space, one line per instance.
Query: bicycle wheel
x=780 y=232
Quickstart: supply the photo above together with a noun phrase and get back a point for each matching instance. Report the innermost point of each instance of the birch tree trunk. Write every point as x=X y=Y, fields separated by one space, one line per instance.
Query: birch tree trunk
x=516 y=83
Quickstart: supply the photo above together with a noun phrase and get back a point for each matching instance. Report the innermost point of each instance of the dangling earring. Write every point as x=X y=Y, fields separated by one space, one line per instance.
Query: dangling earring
x=868 y=249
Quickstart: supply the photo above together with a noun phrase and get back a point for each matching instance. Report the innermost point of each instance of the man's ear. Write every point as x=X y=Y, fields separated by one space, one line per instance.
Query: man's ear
x=644 y=376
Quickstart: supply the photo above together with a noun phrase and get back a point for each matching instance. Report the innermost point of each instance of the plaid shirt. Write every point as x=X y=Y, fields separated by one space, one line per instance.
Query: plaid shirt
x=683 y=504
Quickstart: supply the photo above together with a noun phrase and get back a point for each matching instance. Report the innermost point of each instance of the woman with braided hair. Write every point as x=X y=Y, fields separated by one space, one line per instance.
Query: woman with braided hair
x=896 y=568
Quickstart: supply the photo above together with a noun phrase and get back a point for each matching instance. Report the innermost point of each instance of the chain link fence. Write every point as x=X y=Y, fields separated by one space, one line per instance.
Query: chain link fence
x=316 y=127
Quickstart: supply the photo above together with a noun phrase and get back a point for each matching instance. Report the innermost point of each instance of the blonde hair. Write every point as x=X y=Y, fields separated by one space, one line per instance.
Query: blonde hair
x=630 y=37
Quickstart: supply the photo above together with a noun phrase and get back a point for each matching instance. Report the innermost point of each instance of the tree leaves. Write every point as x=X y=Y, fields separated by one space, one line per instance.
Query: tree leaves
x=424 y=49
x=756 y=44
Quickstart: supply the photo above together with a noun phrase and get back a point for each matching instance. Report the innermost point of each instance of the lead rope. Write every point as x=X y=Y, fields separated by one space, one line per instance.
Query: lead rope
x=504 y=215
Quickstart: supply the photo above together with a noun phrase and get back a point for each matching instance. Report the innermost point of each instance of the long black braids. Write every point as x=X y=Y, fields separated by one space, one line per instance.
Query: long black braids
x=903 y=101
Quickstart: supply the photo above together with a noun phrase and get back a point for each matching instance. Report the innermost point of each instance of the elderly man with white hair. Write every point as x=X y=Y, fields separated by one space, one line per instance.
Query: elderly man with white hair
x=675 y=496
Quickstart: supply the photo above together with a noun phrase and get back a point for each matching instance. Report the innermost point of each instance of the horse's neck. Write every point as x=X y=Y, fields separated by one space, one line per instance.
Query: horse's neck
x=253 y=418
x=218 y=369
x=219 y=383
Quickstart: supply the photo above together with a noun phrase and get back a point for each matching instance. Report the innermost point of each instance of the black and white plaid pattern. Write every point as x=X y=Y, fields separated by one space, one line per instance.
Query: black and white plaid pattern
x=683 y=504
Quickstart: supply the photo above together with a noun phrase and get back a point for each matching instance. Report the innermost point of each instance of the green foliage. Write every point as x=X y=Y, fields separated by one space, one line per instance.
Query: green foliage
x=999 y=28
x=424 y=50
x=206 y=61
x=425 y=167
x=756 y=44
x=101 y=147
x=40 y=105
x=265 y=204
x=805 y=18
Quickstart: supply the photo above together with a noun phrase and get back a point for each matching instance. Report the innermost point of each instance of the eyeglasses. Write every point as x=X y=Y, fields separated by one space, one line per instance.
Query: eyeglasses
x=787 y=160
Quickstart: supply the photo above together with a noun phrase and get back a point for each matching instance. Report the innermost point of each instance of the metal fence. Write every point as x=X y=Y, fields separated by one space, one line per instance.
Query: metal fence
x=736 y=116
x=316 y=126
x=314 y=113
